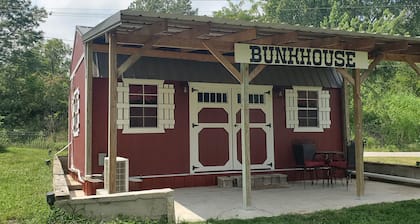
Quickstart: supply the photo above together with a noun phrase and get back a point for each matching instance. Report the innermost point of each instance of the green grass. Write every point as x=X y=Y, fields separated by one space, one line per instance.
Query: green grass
x=411 y=161
x=386 y=213
x=24 y=181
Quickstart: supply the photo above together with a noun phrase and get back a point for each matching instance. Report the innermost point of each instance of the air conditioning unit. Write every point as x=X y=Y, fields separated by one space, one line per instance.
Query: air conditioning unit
x=121 y=175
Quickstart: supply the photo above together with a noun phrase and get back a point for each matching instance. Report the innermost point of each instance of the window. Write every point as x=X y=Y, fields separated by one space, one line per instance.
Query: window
x=143 y=101
x=253 y=98
x=76 y=113
x=307 y=109
x=206 y=97
x=145 y=106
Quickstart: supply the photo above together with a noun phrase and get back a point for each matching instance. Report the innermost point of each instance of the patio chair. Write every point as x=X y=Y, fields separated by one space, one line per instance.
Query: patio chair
x=306 y=158
x=346 y=164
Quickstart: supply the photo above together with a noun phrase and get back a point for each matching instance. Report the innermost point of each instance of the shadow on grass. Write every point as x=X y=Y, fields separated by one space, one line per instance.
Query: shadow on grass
x=3 y=149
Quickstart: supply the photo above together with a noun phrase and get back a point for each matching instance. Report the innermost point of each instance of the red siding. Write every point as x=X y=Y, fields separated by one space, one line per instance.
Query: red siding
x=149 y=154
x=168 y=153
x=330 y=139
x=77 y=147
x=78 y=51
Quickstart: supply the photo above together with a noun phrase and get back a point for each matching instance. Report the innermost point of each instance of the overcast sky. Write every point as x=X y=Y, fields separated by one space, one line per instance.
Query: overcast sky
x=66 y=14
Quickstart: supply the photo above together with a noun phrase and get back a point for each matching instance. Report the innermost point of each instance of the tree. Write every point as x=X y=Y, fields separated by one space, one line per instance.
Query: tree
x=18 y=23
x=236 y=11
x=165 y=6
x=56 y=56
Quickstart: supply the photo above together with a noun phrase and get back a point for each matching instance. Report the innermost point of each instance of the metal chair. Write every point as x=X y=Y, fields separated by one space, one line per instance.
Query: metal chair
x=305 y=157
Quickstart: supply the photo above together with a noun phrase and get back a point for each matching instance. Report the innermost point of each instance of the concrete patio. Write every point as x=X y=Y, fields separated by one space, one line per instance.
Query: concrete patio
x=202 y=203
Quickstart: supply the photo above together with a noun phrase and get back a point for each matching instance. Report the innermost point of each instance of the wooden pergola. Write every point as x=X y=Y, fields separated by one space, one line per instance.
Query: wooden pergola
x=207 y=39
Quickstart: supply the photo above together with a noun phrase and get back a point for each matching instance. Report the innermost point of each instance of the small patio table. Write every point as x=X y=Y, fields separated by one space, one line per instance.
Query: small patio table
x=328 y=157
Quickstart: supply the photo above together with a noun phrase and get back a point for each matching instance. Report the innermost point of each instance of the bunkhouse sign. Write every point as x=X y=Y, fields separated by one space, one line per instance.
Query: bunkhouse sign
x=300 y=56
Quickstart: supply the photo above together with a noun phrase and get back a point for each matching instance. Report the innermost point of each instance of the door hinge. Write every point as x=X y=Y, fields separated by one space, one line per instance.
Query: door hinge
x=194 y=125
x=268 y=125
x=194 y=167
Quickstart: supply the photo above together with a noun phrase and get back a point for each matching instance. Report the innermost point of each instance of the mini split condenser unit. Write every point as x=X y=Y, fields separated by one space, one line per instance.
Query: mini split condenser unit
x=121 y=175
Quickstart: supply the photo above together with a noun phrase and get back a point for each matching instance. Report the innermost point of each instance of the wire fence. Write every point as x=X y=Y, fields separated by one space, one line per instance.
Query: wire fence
x=32 y=139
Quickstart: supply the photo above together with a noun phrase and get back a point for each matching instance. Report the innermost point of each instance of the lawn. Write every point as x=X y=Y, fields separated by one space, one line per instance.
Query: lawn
x=411 y=161
x=25 y=179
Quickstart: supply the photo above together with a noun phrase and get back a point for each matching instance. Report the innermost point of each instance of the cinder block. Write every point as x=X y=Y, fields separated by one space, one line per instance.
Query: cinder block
x=224 y=181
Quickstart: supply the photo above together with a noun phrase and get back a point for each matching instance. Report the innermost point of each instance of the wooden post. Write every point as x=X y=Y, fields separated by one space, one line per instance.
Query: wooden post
x=88 y=107
x=245 y=137
x=112 y=113
x=346 y=115
x=360 y=180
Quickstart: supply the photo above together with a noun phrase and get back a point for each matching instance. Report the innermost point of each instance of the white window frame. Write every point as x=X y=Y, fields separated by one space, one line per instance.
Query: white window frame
x=292 y=119
x=76 y=112
x=165 y=106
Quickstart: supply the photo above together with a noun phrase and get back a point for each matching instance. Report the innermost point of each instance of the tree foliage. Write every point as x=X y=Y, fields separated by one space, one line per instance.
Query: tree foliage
x=165 y=6
x=391 y=94
x=33 y=73
x=237 y=11
x=18 y=20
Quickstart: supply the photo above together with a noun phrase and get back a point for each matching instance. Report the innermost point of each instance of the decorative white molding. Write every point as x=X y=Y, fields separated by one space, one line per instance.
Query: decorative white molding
x=75 y=105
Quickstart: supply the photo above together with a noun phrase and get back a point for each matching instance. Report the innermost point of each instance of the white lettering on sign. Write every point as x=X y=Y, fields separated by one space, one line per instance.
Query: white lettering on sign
x=298 y=56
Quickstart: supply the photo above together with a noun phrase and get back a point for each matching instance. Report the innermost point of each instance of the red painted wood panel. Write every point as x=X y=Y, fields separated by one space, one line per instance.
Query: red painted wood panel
x=212 y=115
x=258 y=146
x=78 y=51
x=149 y=154
x=330 y=139
x=77 y=147
x=213 y=147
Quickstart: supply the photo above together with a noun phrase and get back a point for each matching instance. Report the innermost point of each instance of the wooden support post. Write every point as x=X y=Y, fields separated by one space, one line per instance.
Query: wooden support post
x=112 y=113
x=345 y=112
x=88 y=107
x=245 y=137
x=360 y=180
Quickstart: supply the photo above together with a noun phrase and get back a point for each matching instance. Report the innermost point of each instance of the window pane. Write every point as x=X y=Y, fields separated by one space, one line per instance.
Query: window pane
x=136 y=111
x=313 y=113
x=150 y=122
x=150 y=100
x=150 y=89
x=256 y=98
x=150 y=111
x=213 y=97
x=312 y=122
x=206 y=97
x=302 y=103
x=239 y=97
x=136 y=122
x=313 y=103
x=136 y=88
x=313 y=94
x=224 y=98
x=302 y=123
x=200 y=97
x=302 y=114
x=302 y=94
x=251 y=99
x=261 y=99
x=136 y=99
x=219 y=98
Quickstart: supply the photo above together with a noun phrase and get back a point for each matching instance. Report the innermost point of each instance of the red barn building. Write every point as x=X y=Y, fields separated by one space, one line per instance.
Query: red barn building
x=178 y=97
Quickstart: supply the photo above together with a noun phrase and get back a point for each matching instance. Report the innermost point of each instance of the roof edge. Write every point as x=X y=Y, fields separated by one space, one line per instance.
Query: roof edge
x=103 y=27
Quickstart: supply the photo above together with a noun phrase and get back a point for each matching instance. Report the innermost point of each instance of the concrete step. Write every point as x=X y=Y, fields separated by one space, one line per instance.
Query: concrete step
x=76 y=193
x=73 y=184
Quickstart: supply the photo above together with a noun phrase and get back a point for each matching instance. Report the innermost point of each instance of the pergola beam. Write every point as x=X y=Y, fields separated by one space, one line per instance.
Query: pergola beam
x=244 y=35
x=278 y=38
x=135 y=57
x=372 y=66
x=346 y=75
x=226 y=63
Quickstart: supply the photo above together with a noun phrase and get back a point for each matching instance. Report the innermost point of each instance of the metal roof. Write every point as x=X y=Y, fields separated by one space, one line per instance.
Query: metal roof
x=184 y=70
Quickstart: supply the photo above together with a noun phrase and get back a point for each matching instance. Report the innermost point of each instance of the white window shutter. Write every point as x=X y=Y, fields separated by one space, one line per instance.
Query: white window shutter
x=291 y=109
x=166 y=106
x=324 y=109
x=123 y=119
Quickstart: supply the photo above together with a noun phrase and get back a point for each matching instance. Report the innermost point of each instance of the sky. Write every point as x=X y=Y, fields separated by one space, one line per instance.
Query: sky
x=66 y=14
